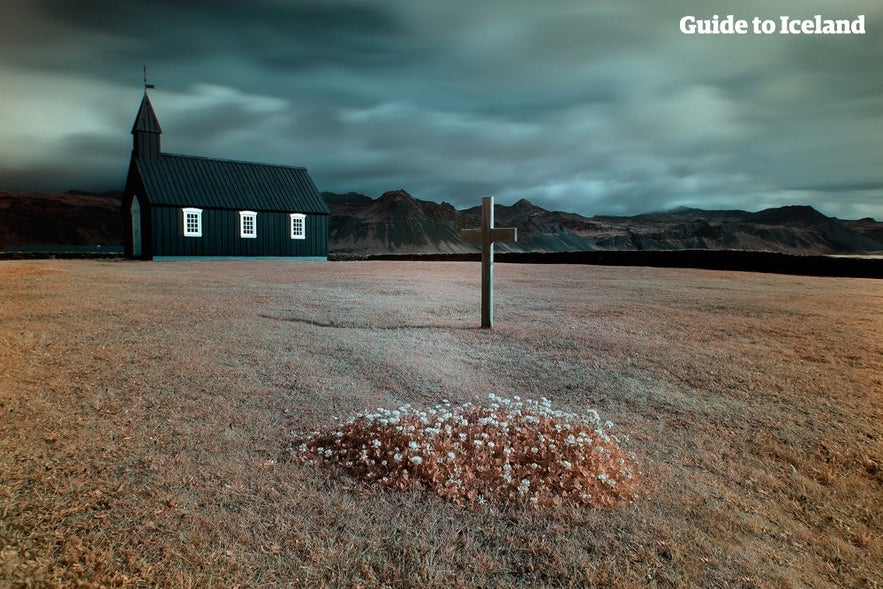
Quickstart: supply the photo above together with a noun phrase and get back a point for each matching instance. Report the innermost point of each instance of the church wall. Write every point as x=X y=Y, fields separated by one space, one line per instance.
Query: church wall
x=220 y=235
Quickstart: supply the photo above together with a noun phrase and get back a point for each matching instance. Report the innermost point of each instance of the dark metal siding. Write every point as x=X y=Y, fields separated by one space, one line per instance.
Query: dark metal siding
x=220 y=235
x=134 y=187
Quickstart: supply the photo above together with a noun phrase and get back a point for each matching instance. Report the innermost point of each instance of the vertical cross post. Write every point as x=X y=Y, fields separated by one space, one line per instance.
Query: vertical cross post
x=487 y=234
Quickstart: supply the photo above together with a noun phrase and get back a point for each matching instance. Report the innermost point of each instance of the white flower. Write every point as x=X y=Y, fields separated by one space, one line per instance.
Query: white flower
x=566 y=464
x=417 y=459
x=397 y=457
x=375 y=443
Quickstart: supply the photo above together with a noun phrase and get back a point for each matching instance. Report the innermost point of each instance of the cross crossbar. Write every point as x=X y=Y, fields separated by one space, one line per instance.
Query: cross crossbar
x=497 y=234
x=487 y=234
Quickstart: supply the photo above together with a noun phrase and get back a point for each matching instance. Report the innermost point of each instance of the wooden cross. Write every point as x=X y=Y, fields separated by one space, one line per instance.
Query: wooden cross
x=487 y=234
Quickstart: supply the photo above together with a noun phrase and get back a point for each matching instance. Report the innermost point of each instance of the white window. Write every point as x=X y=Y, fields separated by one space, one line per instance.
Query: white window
x=192 y=222
x=248 y=224
x=298 y=226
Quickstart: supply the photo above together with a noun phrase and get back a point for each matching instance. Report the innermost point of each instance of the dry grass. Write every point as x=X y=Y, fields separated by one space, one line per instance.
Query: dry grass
x=149 y=410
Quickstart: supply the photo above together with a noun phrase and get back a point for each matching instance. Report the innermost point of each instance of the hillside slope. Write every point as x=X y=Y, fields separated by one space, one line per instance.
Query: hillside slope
x=72 y=218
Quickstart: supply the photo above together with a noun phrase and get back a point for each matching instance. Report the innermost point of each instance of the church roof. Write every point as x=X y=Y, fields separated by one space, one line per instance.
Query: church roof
x=146 y=120
x=188 y=181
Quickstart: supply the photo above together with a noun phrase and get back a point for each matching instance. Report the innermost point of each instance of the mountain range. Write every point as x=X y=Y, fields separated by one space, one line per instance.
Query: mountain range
x=396 y=222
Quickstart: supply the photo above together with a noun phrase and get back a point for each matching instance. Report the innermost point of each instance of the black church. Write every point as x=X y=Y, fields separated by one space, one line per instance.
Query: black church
x=181 y=206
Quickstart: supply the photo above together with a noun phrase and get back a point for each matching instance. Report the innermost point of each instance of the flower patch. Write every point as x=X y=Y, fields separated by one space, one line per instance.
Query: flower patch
x=508 y=451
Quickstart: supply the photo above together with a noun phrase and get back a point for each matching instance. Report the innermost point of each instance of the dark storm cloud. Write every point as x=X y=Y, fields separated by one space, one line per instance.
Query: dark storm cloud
x=275 y=35
x=583 y=106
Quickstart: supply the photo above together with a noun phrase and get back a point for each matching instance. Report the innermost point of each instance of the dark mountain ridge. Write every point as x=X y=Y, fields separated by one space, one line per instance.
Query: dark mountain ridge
x=398 y=222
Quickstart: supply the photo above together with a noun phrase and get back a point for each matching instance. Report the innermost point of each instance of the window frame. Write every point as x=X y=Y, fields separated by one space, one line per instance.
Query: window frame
x=302 y=233
x=245 y=216
x=197 y=216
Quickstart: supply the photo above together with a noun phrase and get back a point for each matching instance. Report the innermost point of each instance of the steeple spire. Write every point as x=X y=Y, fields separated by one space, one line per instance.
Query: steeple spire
x=146 y=131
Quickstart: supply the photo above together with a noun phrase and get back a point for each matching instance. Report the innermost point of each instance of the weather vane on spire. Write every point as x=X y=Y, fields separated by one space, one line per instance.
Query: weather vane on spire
x=146 y=85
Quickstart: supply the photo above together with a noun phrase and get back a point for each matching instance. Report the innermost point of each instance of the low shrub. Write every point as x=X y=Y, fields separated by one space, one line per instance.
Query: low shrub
x=508 y=451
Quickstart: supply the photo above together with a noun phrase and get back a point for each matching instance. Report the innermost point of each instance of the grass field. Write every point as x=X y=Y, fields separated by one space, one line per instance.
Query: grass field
x=151 y=414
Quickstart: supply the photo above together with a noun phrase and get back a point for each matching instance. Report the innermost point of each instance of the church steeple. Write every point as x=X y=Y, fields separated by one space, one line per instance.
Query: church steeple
x=146 y=131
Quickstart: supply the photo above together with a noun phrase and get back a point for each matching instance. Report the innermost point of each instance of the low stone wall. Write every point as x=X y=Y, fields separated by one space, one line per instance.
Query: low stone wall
x=745 y=261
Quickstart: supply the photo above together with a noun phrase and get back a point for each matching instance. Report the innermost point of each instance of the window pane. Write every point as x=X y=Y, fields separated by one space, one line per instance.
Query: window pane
x=298 y=226
x=193 y=222
x=248 y=224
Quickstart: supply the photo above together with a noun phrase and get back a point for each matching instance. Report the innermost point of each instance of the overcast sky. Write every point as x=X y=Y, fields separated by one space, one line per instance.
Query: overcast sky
x=584 y=106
